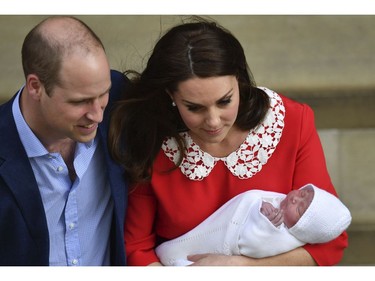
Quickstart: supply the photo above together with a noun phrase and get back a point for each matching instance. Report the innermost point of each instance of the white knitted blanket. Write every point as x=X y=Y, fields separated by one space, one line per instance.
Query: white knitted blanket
x=236 y=228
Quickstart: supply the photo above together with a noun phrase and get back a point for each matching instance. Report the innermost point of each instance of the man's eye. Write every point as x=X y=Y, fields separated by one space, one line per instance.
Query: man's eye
x=79 y=102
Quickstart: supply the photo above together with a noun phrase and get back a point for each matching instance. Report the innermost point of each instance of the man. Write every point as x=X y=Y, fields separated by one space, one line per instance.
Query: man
x=62 y=198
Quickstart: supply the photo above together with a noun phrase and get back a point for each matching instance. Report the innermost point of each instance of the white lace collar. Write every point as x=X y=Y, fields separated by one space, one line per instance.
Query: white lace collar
x=247 y=160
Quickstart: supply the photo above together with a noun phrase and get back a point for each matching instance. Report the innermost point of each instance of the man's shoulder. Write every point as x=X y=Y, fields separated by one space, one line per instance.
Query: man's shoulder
x=119 y=84
x=6 y=111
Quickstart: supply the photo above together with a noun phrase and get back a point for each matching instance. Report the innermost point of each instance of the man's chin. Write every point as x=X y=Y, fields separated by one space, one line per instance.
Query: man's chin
x=85 y=138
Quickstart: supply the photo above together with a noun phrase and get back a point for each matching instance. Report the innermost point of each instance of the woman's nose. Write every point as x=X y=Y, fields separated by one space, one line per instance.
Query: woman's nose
x=213 y=118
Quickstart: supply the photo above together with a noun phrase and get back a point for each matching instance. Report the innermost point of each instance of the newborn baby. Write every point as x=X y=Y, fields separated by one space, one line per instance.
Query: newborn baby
x=260 y=223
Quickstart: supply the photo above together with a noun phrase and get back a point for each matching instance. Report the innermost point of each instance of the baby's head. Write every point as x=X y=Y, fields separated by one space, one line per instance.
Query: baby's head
x=295 y=204
x=324 y=219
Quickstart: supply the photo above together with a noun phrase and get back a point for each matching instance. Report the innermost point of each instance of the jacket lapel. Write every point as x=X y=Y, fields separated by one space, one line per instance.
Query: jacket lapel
x=16 y=171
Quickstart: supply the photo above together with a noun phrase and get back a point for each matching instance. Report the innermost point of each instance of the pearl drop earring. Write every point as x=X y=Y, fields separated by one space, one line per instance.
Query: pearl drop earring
x=173 y=103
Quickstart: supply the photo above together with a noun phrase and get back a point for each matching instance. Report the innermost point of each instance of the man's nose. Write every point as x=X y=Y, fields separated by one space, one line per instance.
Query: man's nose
x=95 y=112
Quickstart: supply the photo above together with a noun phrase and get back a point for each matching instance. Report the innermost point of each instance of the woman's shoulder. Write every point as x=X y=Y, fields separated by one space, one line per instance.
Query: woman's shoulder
x=288 y=101
x=294 y=109
x=295 y=106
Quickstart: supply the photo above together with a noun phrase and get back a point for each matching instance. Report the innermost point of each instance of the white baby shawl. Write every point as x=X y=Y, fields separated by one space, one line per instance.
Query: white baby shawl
x=236 y=228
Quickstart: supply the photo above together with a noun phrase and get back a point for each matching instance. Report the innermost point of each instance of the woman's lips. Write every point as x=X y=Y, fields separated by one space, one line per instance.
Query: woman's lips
x=213 y=132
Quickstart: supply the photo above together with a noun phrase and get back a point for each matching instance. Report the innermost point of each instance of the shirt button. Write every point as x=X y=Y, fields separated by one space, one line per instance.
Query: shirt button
x=60 y=168
x=71 y=225
x=74 y=262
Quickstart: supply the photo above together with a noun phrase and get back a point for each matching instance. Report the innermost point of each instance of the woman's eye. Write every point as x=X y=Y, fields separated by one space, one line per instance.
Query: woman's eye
x=193 y=108
x=225 y=102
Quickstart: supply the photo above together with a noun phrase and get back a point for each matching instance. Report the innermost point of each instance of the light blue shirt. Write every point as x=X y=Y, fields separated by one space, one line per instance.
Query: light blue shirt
x=79 y=213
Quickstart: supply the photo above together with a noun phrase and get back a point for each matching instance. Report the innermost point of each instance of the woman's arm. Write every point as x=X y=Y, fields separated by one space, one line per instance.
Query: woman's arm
x=140 y=236
x=155 y=264
x=295 y=257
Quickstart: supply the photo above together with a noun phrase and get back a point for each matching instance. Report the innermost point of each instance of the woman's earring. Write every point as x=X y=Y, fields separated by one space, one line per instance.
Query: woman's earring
x=173 y=104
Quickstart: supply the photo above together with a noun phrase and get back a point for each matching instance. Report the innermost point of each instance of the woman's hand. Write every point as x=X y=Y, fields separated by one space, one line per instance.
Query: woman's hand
x=298 y=256
x=216 y=259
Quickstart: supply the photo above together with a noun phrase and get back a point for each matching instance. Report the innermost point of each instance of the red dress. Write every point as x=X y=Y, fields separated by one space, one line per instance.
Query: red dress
x=282 y=154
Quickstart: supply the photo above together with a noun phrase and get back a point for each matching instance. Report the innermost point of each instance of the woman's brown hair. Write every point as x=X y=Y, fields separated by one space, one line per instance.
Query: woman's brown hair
x=146 y=116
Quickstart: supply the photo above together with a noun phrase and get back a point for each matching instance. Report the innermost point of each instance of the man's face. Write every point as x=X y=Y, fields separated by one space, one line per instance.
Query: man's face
x=75 y=107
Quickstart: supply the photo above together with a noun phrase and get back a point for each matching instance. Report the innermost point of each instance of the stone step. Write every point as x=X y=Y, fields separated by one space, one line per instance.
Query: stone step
x=361 y=249
x=340 y=109
x=350 y=156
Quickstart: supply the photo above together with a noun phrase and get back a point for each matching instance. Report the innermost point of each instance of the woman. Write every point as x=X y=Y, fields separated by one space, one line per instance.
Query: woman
x=195 y=131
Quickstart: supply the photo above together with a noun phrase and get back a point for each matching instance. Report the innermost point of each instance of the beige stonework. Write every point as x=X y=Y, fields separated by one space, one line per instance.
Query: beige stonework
x=286 y=53
x=325 y=61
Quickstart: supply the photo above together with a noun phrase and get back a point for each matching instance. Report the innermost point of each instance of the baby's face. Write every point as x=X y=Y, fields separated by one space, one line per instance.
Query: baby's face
x=295 y=205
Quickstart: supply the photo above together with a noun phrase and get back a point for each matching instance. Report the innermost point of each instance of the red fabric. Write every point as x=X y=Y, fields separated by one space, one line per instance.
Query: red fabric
x=172 y=204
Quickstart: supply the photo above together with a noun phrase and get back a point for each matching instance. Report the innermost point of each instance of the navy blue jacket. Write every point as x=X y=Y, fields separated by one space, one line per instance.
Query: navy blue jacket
x=24 y=238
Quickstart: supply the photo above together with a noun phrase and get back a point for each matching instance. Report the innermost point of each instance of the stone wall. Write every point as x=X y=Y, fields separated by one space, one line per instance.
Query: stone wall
x=325 y=61
x=306 y=55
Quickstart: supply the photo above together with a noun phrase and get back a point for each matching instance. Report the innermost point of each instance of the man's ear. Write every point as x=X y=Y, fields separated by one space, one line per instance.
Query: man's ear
x=34 y=86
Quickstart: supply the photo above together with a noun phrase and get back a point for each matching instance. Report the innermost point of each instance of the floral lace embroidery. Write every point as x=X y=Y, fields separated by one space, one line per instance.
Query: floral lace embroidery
x=247 y=160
